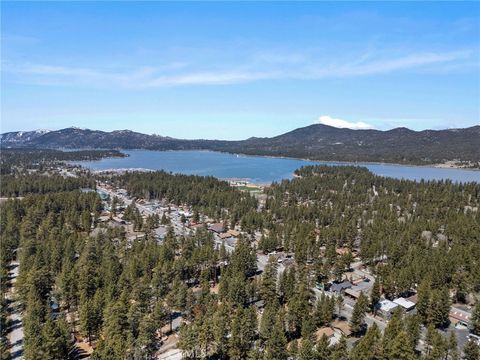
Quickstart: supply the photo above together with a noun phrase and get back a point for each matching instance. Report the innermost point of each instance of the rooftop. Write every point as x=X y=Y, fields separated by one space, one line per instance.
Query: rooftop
x=338 y=287
x=404 y=303
x=234 y=233
x=217 y=227
x=353 y=293
x=327 y=331
x=343 y=326
x=387 y=305
x=459 y=314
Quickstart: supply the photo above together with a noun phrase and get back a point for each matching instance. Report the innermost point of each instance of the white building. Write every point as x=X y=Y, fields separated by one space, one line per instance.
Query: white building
x=404 y=303
x=386 y=307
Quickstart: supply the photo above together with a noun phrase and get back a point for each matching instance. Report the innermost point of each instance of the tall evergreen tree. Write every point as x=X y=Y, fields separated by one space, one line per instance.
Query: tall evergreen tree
x=56 y=340
x=475 y=320
x=358 y=314
x=369 y=347
x=306 y=351
x=471 y=351
x=276 y=347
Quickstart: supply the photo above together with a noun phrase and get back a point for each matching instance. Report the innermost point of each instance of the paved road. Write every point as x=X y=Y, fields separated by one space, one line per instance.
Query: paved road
x=15 y=332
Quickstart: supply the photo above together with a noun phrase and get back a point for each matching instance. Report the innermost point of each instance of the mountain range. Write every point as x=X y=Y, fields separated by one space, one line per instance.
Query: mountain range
x=316 y=142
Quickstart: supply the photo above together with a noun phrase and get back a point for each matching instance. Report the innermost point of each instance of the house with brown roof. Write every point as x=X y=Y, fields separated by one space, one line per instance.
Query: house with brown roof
x=224 y=235
x=342 y=326
x=327 y=331
x=234 y=233
x=457 y=315
x=217 y=228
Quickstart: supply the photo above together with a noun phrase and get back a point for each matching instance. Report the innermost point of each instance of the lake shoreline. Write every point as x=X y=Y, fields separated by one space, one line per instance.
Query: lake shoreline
x=262 y=169
x=446 y=165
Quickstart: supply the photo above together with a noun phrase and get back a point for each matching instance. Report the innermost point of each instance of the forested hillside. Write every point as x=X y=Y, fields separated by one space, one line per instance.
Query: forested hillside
x=39 y=159
x=319 y=142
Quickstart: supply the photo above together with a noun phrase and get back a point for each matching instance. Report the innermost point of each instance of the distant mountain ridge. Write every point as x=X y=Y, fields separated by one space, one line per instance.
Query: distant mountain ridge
x=20 y=137
x=318 y=142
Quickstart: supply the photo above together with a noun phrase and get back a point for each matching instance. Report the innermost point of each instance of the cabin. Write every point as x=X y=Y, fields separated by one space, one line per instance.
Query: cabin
x=327 y=331
x=460 y=316
x=234 y=233
x=354 y=294
x=386 y=308
x=340 y=287
x=217 y=228
x=342 y=326
x=224 y=235
x=404 y=303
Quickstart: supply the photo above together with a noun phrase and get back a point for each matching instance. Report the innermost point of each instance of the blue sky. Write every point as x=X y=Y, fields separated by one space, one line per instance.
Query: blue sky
x=234 y=70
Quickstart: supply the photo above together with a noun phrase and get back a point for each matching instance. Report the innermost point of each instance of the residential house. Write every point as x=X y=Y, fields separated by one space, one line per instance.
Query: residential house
x=327 y=331
x=404 y=303
x=386 y=307
x=217 y=228
x=340 y=287
x=342 y=326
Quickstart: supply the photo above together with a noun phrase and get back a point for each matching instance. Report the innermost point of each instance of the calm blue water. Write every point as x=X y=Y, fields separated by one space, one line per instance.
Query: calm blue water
x=257 y=169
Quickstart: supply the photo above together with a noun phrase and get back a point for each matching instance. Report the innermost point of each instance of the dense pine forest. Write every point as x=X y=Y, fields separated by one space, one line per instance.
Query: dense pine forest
x=206 y=194
x=12 y=160
x=122 y=296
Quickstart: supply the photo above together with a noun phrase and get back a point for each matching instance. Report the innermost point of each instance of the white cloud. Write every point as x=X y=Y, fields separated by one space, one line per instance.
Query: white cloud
x=294 y=67
x=209 y=78
x=339 y=123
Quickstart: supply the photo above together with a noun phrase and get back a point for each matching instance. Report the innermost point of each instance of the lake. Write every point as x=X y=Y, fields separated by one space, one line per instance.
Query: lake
x=257 y=169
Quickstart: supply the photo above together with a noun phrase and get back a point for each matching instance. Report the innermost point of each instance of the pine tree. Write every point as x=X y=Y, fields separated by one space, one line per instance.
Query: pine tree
x=243 y=329
x=340 y=351
x=188 y=340
x=205 y=336
x=475 y=319
x=323 y=350
x=268 y=289
x=393 y=329
x=115 y=330
x=268 y=320
x=368 y=348
x=220 y=330
x=453 y=347
x=276 y=347
x=358 y=314
x=471 y=351
x=32 y=325
x=287 y=284
x=423 y=300
x=436 y=346
x=375 y=296
x=306 y=351
x=324 y=310
x=412 y=326
x=147 y=337
x=89 y=319
x=55 y=340
x=308 y=328
x=339 y=302
x=293 y=349
x=439 y=307
x=114 y=205
x=401 y=349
